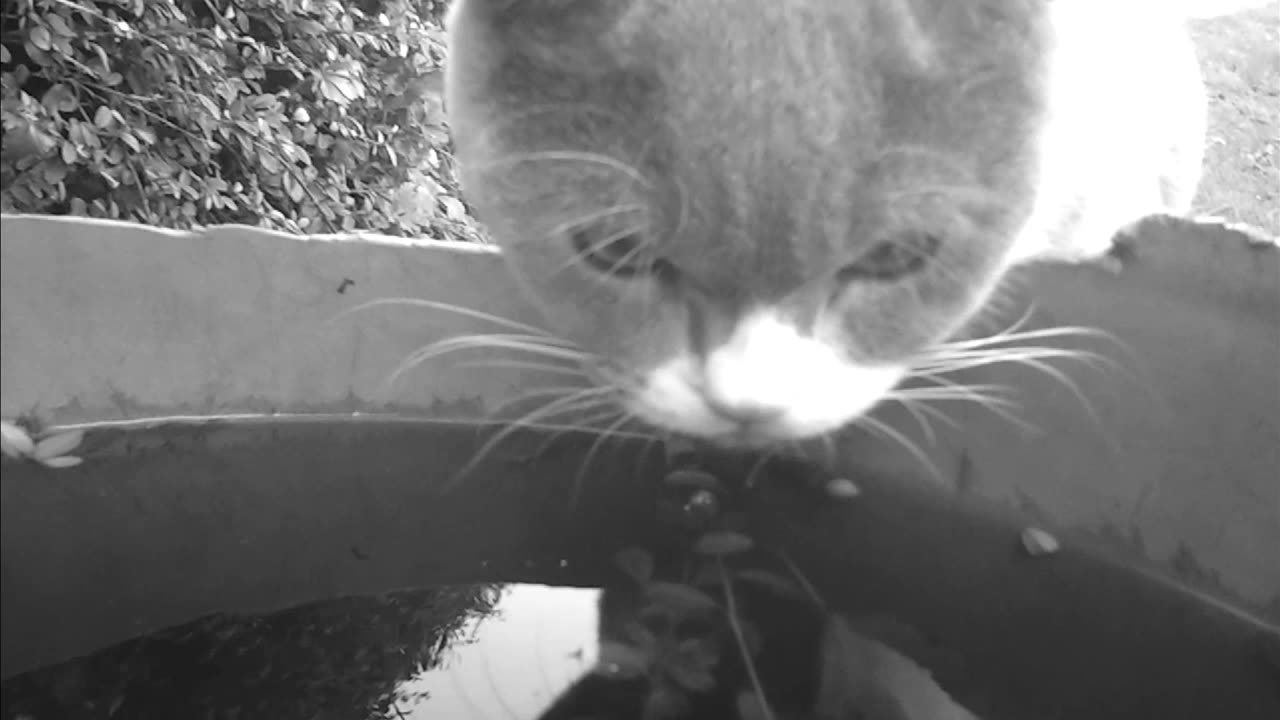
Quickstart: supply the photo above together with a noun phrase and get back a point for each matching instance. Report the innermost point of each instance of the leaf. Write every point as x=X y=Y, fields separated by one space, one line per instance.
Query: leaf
x=341 y=83
x=59 y=98
x=59 y=25
x=722 y=543
x=68 y=152
x=39 y=37
x=678 y=597
x=771 y=580
x=102 y=118
x=636 y=563
x=55 y=172
x=695 y=479
x=453 y=208
x=5 y=57
x=14 y=440
x=64 y=461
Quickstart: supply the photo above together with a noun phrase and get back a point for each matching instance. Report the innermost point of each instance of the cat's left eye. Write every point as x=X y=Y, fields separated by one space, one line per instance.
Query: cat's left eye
x=624 y=255
x=906 y=253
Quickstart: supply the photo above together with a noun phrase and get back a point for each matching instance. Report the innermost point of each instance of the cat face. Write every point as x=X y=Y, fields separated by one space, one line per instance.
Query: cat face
x=753 y=215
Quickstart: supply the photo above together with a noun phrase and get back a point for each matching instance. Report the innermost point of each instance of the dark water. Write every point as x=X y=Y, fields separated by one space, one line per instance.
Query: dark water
x=455 y=652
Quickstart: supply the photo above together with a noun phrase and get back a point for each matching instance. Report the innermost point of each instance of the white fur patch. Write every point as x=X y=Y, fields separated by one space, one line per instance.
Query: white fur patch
x=768 y=382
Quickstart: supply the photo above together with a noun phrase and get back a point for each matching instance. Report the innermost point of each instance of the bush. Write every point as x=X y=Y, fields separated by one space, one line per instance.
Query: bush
x=298 y=115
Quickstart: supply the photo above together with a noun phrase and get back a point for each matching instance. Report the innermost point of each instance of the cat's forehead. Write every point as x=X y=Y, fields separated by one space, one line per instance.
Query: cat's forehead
x=747 y=119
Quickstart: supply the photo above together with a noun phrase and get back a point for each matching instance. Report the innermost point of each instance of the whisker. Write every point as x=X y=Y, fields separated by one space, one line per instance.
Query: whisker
x=586 y=460
x=621 y=233
x=560 y=391
x=918 y=411
x=567 y=370
x=756 y=467
x=523 y=343
x=1004 y=407
x=548 y=410
x=447 y=307
x=570 y=156
x=597 y=215
x=916 y=452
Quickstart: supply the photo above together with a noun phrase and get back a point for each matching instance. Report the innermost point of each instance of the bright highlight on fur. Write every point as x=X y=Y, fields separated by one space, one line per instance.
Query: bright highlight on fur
x=769 y=382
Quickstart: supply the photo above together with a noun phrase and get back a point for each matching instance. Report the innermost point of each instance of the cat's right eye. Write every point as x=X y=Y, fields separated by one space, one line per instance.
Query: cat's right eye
x=904 y=254
x=623 y=255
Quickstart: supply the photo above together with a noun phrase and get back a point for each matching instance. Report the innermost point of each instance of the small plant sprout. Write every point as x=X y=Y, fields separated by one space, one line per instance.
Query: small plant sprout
x=694 y=480
x=636 y=563
x=1037 y=542
x=15 y=442
x=49 y=450
x=721 y=543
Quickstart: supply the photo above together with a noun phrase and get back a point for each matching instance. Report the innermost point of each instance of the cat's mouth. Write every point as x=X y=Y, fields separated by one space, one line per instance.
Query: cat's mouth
x=768 y=384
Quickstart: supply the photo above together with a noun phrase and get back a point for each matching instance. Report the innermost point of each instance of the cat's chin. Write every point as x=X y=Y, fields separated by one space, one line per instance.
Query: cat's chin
x=697 y=421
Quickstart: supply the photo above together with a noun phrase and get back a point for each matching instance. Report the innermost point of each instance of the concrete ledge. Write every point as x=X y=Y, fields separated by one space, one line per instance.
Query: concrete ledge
x=1172 y=464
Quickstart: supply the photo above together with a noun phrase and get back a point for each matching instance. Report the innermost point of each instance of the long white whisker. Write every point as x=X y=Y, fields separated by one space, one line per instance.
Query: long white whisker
x=597 y=215
x=566 y=370
x=523 y=343
x=902 y=440
x=918 y=411
x=548 y=410
x=571 y=156
x=586 y=460
x=447 y=307
x=557 y=391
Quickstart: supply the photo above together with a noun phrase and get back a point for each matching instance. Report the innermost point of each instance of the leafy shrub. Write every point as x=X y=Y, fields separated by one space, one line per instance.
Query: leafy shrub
x=298 y=115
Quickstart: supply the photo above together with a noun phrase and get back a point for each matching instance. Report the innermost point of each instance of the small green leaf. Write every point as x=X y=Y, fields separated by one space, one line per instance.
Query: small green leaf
x=771 y=580
x=14 y=440
x=63 y=461
x=636 y=563
x=60 y=26
x=102 y=118
x=39 y=37
x=695 y=479
x=677 y=596
x=722 y=543
x=59 y=444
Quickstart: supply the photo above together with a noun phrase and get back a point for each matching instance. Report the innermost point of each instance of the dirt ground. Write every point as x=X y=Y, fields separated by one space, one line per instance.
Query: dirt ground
x=1240 y=60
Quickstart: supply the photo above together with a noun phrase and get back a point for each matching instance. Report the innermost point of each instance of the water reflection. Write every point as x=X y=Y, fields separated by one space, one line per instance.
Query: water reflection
x=461 y=652
x=512 y=663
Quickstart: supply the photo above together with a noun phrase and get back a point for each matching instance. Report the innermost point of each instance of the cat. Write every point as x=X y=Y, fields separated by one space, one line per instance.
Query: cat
x=756 y=218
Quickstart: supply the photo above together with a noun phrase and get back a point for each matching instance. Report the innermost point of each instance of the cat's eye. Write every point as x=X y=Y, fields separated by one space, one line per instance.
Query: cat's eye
x=624 y=255
x=906 y=253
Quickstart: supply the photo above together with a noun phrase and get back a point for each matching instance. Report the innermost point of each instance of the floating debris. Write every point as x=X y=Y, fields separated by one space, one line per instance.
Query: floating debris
x=1037 y=542
x=843 y=488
